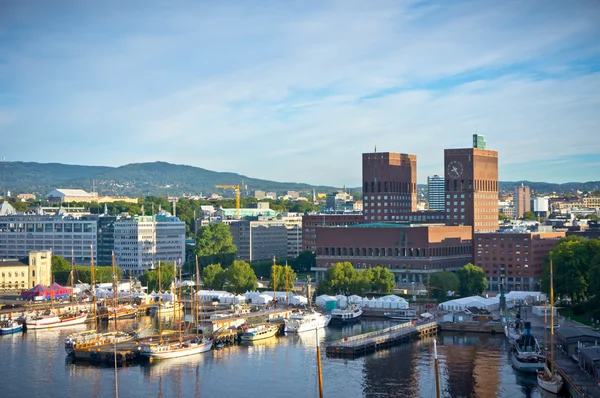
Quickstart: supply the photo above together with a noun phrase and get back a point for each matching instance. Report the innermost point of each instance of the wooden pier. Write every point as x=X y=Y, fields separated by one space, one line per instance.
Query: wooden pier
x=365 y=343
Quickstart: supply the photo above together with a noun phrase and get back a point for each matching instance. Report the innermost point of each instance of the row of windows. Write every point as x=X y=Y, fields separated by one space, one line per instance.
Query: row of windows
x=396 y=252
x=16 y=274
x=391 y=186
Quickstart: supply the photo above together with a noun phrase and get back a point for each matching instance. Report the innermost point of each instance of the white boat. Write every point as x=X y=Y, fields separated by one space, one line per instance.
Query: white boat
x=550 y=382
x=166 y=350
x=50 y=319
x=345 y=316
x=259 y=332
x=402 y=315
x=167 y=307
x=512 y=330
x=10 y=327
x=305 y=321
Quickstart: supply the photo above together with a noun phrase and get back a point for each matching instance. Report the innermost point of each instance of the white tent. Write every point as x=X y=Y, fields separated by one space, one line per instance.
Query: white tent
x=262 y=299
x=518 y=297
x=465 y=302
x=324 y=298
x=379 y=303
x=298 y=300
x=354 y=299
x=373 y=303
x=402 y=305
x=365 y=302
x=250 y=295
x=342 y=301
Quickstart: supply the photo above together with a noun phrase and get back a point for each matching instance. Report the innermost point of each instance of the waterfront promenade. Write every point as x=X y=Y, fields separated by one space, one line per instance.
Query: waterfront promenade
x=585 y=385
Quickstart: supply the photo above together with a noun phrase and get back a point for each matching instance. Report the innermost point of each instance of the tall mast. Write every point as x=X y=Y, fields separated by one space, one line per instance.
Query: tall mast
x=178 y=297
x=274 y=281
x=196 y=298
x=72 y=277
x=93 y=286
x=159 y=304
x=319 y=370
x=437 y=369
x=551 y=319
x=287 y=294
x=115 y=300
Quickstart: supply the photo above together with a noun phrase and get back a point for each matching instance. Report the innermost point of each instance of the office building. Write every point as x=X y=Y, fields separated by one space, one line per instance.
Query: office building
x=522 y=201
x=260 y=239
x=143 y=241
x=471 y=188
x=520 y=254
x=435 y=193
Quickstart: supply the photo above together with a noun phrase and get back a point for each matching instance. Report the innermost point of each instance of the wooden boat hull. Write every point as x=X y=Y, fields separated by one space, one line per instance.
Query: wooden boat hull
x=175 y=350
x=55 y=322
x=549 y=383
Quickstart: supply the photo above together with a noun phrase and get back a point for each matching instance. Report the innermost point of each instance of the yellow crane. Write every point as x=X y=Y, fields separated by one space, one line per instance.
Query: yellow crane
x=237 y=189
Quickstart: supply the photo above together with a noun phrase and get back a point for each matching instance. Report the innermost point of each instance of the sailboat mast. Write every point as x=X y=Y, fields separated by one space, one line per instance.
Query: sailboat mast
x=196 y=299
x=551 y=319
x=180 y=310
x=159 y=304
x=72 y=277
x=93 y=286
x=287 y=294
x=437 y=369
x=115 y=300
x=274 y=281
x=319 y=370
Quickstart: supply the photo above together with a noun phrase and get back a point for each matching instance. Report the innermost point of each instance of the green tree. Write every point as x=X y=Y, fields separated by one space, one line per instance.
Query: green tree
x=214 y=277
x=471 y=280
x=382 y=280
x=285 y=277
x=443 y=282
x=214 y=244
x=304 y=261
x=60 y=264
x=240 y=277
x=361 y=282
x=529 y=215
x=338 y=279
x=502 y=217
x=167 y=276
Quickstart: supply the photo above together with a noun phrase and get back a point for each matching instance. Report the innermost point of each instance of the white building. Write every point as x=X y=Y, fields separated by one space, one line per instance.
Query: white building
x=62 y=234
x=142 y=241
x=293 y=223
x=436 y=193
x=259 y=240
x=62 y=195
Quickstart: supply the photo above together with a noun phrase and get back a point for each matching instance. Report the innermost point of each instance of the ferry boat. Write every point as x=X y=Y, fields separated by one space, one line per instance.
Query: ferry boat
x=306 y=320
x=346 y=316
x=526 y=355
x=167 y=307
x=10 y=327
x=259 y=332
x=512 y=331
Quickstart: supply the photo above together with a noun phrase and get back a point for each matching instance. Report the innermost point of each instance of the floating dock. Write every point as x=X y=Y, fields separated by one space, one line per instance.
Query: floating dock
x=365 y=343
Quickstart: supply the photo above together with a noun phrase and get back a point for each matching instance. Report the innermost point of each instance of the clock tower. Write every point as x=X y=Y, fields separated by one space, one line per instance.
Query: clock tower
x=471 y=187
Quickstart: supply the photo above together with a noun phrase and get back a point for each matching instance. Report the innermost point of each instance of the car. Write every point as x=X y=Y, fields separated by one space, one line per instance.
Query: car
x=556 y=326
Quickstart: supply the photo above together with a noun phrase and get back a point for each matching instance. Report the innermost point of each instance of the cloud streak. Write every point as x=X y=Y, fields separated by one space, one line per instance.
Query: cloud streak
x=296 y=92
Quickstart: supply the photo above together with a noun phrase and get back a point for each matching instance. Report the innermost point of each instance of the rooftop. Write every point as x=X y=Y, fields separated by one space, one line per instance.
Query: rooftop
x=578 y=331
x=13 y=262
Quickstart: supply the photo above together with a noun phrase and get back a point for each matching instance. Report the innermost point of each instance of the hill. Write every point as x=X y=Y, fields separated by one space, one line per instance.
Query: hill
x=138 y=179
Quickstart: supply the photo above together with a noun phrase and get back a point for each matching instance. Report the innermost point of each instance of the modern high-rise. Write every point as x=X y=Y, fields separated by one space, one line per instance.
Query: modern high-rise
x=435 y=193
x=522 y=200
x=471 y=187
x=389 y=185
x=143 y=241
x=259 y=240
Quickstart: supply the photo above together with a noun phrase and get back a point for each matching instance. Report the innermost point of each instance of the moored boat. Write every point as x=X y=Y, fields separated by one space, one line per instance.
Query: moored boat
x=402 y=315
x=306 y=320
x=259 y=332
x=512 y=330
x=166 y=350
x=346 y=316
x=10 y=326
x=51 y=319
x=90 y=339
x=526 y=355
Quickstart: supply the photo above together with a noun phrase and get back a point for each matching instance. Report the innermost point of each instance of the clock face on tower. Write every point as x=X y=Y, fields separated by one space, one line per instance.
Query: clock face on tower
x=455 y=169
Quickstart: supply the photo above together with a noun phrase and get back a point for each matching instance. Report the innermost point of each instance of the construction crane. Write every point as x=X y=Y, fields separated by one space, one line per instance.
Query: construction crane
x=237 y=189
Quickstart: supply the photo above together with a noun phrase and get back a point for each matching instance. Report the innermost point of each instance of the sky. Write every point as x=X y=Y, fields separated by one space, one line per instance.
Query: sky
x=296 y=91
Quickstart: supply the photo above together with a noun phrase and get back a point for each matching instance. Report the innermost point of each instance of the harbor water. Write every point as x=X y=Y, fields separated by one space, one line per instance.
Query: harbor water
x=34 y=364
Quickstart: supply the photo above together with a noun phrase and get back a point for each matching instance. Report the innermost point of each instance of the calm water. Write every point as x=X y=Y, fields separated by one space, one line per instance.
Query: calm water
x=35 y=365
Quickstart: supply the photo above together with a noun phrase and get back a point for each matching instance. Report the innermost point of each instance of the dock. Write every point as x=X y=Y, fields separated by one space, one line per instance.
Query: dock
x=365 y=343
x=473 y=327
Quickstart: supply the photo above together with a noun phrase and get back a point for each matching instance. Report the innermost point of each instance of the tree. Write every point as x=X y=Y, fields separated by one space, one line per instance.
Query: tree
x=215 y=245
x=167 y=276
x=443 y=282
x=361 y=282
x=502 y=217
x=529 y=215
x=240 y=277
x=382 y=280
x=60 y=264
x=304 y=261
x=573 y=259
x=471 y=280
x=338 y=279
x=214 y=277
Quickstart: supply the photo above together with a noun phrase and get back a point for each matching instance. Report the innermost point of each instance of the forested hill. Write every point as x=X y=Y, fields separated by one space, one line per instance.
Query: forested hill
x=138 y=179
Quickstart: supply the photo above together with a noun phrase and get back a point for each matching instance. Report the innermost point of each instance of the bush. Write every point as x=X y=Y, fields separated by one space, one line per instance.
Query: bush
x=579 y=308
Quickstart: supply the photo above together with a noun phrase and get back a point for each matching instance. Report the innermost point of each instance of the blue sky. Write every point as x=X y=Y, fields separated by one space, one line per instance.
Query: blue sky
x=296 y=91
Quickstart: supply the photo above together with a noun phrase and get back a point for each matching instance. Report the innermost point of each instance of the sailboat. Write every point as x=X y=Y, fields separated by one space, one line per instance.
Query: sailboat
x=191 y=345
x=81 y=345
x=548 y=378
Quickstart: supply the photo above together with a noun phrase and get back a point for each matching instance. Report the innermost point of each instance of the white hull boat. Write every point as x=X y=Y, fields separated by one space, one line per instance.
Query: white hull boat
x=54 y=321
x=306 y=321
x=549 y=382
x=175 y=350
